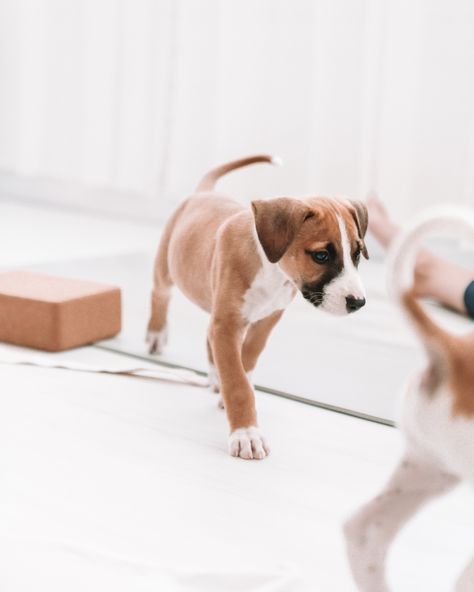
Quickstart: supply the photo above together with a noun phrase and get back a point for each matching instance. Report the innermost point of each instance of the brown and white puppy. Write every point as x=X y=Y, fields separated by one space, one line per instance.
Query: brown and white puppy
x=244 y=266
x=437 y=418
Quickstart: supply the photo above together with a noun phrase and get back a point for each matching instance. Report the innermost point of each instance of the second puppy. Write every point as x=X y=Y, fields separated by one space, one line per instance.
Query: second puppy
x=244 y=266
x=437 y=420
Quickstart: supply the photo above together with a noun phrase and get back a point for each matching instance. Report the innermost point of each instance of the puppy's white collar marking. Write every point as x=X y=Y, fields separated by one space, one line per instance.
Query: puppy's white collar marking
x=271 y=289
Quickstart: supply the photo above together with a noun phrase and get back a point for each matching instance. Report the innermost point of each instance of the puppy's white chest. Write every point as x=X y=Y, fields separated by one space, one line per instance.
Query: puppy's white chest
x=270 y=290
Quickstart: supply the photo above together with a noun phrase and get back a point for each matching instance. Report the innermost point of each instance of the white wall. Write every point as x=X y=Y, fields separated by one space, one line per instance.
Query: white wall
x=122 y=104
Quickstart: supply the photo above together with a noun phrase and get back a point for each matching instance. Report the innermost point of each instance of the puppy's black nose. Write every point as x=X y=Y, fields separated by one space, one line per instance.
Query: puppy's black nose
x=353 y=303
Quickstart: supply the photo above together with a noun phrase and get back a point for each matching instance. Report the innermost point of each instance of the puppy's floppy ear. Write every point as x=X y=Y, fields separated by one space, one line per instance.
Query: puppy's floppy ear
x=277 y=222
x=361 y=218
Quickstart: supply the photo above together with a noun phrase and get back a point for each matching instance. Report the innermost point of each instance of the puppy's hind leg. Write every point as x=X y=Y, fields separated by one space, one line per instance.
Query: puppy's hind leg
x=256 y=339
x=370 y=532
x=214 y=383
x=157 y=332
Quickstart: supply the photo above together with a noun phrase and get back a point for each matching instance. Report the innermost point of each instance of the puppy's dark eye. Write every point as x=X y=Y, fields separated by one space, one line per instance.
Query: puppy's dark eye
x=320 y=257
x=357 y=254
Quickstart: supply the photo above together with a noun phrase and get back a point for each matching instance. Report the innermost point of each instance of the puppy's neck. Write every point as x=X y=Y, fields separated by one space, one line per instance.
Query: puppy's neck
x=270 y=290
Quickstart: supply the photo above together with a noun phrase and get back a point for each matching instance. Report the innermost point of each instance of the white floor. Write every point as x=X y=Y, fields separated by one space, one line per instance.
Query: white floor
x=110 y=482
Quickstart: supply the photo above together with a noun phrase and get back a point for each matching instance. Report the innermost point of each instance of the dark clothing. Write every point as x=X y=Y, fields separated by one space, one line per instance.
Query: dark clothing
x=469 y=299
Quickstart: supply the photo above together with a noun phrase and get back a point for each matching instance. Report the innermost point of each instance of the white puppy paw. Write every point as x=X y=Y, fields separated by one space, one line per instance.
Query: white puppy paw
x=157 y=340
x=248 y=443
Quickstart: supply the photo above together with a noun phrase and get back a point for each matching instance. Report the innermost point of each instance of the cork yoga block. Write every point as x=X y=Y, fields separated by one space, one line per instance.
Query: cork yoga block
x=55 y=313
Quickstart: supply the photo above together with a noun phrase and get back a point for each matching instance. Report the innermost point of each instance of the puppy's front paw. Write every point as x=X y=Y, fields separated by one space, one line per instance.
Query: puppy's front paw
x=248 y=443
x=157 y=340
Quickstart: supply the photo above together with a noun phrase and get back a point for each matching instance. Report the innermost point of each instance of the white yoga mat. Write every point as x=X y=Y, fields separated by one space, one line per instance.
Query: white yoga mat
x=116 y=365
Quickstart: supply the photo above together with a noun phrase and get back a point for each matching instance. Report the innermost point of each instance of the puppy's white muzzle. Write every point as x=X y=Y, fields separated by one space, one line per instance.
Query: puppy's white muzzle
x=345 y=294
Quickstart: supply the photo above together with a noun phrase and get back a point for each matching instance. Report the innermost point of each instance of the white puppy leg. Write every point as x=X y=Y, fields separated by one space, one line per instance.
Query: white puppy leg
x=372 y=529
x=466 y=580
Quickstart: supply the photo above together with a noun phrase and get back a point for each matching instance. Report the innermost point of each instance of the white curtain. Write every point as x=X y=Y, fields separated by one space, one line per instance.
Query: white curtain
x=123 y=104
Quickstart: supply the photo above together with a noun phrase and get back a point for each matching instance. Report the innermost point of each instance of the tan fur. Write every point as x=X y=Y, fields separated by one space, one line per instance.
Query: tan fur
x=361 y=218
x=278 y=222
x=209 y=250
x=314 y=234
x=208 y=182
x=256 y=339
x=451 y=357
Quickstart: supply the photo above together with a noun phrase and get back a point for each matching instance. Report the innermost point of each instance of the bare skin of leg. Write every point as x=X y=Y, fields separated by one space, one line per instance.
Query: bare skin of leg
x=435 y=277
x=370 y=532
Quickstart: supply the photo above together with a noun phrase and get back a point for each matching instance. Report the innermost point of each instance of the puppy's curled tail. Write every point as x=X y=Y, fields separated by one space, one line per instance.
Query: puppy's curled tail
x=209 y=180
x=442 y=220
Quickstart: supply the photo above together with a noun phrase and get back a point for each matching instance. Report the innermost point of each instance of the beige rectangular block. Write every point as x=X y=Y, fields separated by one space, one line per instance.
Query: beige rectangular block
x=55 y=313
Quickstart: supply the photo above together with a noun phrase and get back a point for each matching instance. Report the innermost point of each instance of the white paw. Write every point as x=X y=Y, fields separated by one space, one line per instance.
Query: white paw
x=157 y=340
x=248 y=443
